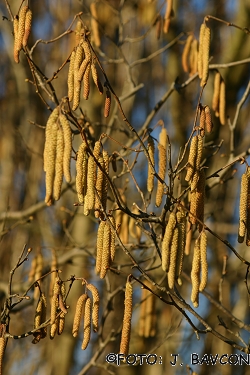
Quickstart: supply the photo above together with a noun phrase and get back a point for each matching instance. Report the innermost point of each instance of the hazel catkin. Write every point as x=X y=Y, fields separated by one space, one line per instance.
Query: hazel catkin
x=126 y=326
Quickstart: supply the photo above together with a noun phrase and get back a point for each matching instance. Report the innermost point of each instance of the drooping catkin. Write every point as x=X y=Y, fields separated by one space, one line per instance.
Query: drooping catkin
x=105 y=179
x=67 y=137
x=208 y=119
x=27 y=27
x=78 y=32
x=53 y=329
x=167 y=16
x=86 y=83
x=95 y=307
x=204 y=265
x=197 y=200
x=99 y=246
x=248 y=209
x=55 y=300
x=2 y=349
x=112 y=237
x=80 y=307
x=173 y=259
x=86 y=60
x=205 y=56
x=49 y=154
x=87 y=324
x=243 y=207
x=189 y=236
x=166 y=243
x=96 y=80
x=216 y=94
x=94 y=25
x=202 y=121
x=61 y=323
x=181 y=225
x=200 y=52
x=21 y=27
x=151 y=151
x=195 y=274
x=38 y=272
x=162 y=148
x=16 y=51
x=192 y=158
x=90 y=194
x=99 y=187
x=40 y=314
x=193 y=57
x=58 y=164
x=78 y=58
x=199 y=152
x=105 y=250
x=126 y=326
x=222 y=103
x=186 y=53
x=107 y=104
x=81 y=172
x=71 y=76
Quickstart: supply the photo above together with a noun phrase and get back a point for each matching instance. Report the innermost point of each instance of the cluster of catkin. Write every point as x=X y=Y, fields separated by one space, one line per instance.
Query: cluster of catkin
x=219 y=98
x=173 y=245
x=244 y=214
x=196 y=177
x=199 y=272
x=126 y=325
x=80 y=67
x=105 y=245
x=147 y=318
x=57 y=154
x=58 y=308
x=22 y=29
x=83 y=311
x=162 y=168
x=91 y=181
x=189 y=57
x=203 y=54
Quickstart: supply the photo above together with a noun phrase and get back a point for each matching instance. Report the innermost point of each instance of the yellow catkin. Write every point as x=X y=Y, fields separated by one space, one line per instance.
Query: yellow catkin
x=205 y=56
x=80 y=306
x=61 y=323
x=151 y=151
x=71 y=76
x=87 y=324
x=167 y=16
x=197 y=200
x=189 y=236
x=186 y=53
x=181 y=225
x=81 y=172
x=202 y=121
x=77 y=84
x=94 y=25
x=107 y=104
x=95 y=307
x=193 y=57
x=195 y=274
x=49 y=154
x=173 y=259
x=58 y=164
x=21 y=27
x=27 y=27
x=208 y=119
x=67 y=146
x=200 y=52
x=222 y=104
x=86 y=83
x=192 y=158
x=2 y=349
x=54 y=306
x=16 y=51
x=166 y=243
x=126 y=326
x=78 y=32
x=40 y=314
x=96 y=78
x=53 y=329
x=112 y=238
x=99 y=187
x=243 y=207
x=90 y=195
x=248 y=209
x=204 y=265
x=99 y=246
x=162 y=147
x=216 y=94
x=86 y=60
x=105 y=250
x=105 y=179
x=199 y=152
x=38 y=272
